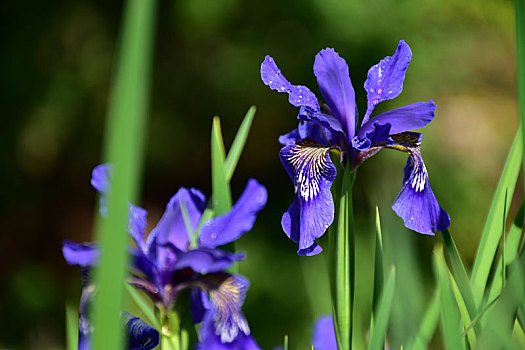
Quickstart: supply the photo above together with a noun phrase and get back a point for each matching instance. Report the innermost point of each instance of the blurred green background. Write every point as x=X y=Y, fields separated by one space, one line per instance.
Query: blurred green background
x=56 y=68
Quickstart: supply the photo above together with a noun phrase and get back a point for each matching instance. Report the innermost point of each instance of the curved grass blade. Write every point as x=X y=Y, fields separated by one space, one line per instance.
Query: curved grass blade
x=491 y=233
x=510 y=251
x=124 y=141
x=461 y=278
x=450 y=319
x=378 y=264
x=230 y=163
x=144 y=305
x=465 y=316
x=378 y=329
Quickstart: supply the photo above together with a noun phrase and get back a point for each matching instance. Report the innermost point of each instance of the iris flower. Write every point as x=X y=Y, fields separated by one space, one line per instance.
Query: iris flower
x=323 y=337
x=166 y=264
x=305 y=154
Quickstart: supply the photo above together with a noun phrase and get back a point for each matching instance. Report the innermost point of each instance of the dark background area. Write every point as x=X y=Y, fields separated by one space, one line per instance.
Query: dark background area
x=56 y=67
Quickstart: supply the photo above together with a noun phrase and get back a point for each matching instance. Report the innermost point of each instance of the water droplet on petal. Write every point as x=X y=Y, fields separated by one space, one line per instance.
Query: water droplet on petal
x=213 y=235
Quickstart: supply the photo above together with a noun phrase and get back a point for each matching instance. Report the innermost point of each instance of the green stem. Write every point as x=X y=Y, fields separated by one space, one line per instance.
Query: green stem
x=342 y=249
x=520 y=51
x=170 y=332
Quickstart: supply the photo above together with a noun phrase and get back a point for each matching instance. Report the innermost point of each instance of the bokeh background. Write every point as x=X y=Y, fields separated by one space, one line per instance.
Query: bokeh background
x=56 y=68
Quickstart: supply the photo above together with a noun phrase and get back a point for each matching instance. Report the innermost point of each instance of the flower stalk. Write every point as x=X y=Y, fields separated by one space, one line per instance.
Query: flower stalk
x=342 y=253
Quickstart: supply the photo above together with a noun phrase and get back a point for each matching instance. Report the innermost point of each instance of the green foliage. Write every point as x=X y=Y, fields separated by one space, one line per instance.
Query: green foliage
x=124 y=141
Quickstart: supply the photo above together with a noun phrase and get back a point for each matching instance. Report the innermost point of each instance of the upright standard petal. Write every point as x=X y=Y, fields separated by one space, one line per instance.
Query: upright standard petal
x=100 y=177
x=416 y=203
x=298 y=95
x=309 y=129
x=137 y=222
x=323 y=337
x=334 y=82
x=309 y=166
x=171 y=227
x=238 y=220
x=385 y=79
x=410 y=117
x=82 y=254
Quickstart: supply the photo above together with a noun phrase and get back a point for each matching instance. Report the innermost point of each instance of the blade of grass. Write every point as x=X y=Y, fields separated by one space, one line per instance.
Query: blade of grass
x=500 y=319
x=510 y=252
x=491 y=232
x=221 y=196
x=145 y=305
x=463 y=311
x=450 y=322
x=124 y=141
x=378 y=328
x=428 y=325
x=344 y=264
x=378 y=265
x=238 y=144
x=71 y=326
x=461 y=277
x=285 y=345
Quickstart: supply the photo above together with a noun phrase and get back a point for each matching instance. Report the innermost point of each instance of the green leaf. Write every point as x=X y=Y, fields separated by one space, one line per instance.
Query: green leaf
x=501 y=317
x=510 y=252
x=378 y=264
x=238 y=143
x=378 y=329
x=221 y=196
x=71 y=326
x=491 y=233
x=465 y=316
x=344 y=262
x=285 y=345
x=450 y=321
x=428 y=325
x=124 y=149
x=144 y=304
x=461 y=278
x=194 y=238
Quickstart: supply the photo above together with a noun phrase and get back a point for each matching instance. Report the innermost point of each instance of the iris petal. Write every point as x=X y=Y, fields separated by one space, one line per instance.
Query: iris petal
x=205 y=260
x=413 y=116
x=141 y=336
x=298 y=95
x=416 y=204
x=238 y=220
x=385 y=79
x=227 y=293
x=324 y=334
x=80 y=254
x=334 y=82
x=171 y=227
x=309 y=166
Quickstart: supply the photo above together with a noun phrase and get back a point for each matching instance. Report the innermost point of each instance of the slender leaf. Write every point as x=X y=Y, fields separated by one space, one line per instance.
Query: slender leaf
x=344 y=263
x=221 y=196
x=194 y=239
x=71 y=326
x=500 y=319
x=510 y=252
x=124 y=149
x=378 y=331
x=238 y=144
x=378 y=264
x=465 y=316
x=428 y=325
x=285 y=345
x=461 y=278
x=491 y=232
x=145 y=305
x=450 y=321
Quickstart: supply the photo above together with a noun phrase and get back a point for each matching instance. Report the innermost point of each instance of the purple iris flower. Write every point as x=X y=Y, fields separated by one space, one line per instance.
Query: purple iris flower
x=166 y=264
x=305 y=154
x=324 y=334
